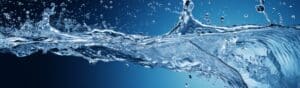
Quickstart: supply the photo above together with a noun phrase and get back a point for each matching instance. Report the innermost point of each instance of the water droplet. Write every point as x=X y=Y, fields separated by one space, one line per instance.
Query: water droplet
x=20 y=3
x=209 y=2
x=186 y=85
x=190 y=76
x=280 y=18
x=7 y=16
x=293 y=17
x=19 y=18
x=283 y=3
x=246 y=15
x=153 y=21
x=260 y=8
x=111 y=2
x=101 y=1
x=206 y=18
x=222 y=18
x=27 y=12
x=101 y=16
x=169 y=4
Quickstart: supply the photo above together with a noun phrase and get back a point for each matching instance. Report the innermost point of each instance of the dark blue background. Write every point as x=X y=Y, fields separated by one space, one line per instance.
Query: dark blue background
x=50 y=71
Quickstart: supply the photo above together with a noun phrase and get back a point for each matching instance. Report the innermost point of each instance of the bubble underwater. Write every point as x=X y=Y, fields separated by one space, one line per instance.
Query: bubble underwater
x=242 y=56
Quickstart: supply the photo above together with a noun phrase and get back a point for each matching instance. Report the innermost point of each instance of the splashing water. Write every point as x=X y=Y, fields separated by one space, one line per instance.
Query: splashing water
x=242 y=56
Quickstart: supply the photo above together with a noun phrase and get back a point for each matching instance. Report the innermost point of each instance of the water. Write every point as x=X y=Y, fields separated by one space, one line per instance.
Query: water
x=245 y=56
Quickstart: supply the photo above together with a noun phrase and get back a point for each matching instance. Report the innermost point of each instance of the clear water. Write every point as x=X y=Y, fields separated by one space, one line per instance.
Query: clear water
x=242 y=56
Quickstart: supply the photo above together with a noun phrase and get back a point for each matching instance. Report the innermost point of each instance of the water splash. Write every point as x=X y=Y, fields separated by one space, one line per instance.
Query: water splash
x=242 y=56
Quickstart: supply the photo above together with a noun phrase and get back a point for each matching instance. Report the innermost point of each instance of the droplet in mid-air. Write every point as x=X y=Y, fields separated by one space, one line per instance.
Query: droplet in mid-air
x=222 y=18
x=127 y=65
x=7 y=16
x=293 y=17
x=27 y=12
x=206 y=18
x=209 y=2
x=246 y=15
x=186 y=85
x=190 y=76
x=260 y=8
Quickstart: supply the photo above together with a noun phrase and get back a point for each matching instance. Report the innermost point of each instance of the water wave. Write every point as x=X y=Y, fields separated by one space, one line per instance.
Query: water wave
x=242 y=56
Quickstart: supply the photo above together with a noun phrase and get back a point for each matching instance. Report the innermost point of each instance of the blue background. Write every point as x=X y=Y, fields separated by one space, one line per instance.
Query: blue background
x=51 y=71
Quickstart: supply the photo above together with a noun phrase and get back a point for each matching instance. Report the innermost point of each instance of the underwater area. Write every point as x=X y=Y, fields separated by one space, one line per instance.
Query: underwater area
x=149 y=44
